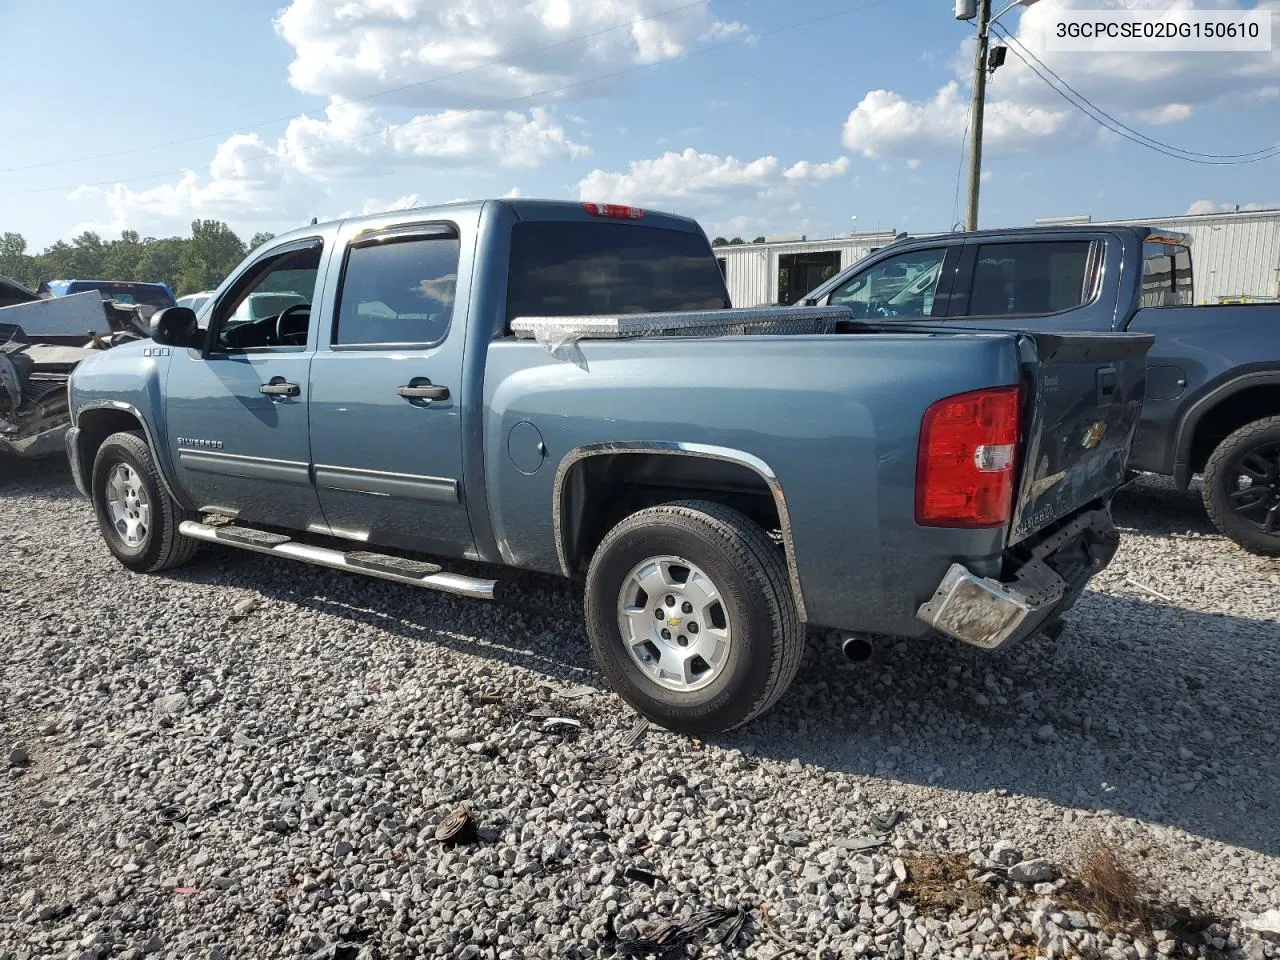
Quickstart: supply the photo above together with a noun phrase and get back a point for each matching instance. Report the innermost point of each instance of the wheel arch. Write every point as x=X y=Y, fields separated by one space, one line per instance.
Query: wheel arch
x=1220 y=412
x=97 y=421
x=597 y=484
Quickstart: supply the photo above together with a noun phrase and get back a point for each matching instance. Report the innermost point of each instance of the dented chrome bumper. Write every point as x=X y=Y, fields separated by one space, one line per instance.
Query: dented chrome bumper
x=988 y=613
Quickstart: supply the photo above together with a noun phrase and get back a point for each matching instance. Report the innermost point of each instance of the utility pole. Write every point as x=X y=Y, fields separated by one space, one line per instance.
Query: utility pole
x=976 y=113
x=983 y=65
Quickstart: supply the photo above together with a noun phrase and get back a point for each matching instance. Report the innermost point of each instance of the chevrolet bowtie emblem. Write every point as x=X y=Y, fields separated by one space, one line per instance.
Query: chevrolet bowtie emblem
x=674 y=621
x=1094 y=435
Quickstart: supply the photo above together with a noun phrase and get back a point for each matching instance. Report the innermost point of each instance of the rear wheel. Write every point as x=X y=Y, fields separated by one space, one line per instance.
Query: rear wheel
x=1242 y=487
x=691 y=616
x=138 y=518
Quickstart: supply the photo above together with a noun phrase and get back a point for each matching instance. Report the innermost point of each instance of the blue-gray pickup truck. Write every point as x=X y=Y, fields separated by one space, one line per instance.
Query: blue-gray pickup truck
x=1213 y=376
x=561 y=387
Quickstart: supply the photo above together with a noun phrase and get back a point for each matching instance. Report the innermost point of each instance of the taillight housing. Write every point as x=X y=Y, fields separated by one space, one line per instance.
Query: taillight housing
x=968 y=459
x=617 y=211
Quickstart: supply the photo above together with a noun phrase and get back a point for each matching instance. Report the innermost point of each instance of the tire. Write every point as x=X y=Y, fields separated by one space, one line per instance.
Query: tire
x=141 y=528
x=752 y=626
x=1247 y=513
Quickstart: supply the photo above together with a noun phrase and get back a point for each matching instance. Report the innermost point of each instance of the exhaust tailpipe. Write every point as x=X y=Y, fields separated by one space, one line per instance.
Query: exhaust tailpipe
x=857 y=649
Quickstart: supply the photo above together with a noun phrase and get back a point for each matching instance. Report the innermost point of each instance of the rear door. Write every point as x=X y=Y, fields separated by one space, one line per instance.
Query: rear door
x=386 y=426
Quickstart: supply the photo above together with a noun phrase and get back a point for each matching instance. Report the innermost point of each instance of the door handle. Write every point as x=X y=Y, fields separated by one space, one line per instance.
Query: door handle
x=420 y=388
x=278 y=387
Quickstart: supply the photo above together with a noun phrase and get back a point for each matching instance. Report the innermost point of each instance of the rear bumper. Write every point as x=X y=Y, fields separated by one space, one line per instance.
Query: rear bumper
x=988 y=613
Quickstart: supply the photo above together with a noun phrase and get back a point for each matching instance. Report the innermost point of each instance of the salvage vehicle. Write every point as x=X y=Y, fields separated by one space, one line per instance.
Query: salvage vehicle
x=562 y=388
x=41 y=341
x=1213 y=379
x=149 y=296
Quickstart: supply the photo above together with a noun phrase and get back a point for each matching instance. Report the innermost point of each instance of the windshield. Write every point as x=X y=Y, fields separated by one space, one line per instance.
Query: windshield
x=575 y=269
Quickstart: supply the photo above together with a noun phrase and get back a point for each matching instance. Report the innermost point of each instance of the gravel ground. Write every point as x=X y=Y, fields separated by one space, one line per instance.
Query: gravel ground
x=250 y=758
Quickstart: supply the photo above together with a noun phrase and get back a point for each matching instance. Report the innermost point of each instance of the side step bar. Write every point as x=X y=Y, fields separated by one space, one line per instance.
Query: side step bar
x=384 y=566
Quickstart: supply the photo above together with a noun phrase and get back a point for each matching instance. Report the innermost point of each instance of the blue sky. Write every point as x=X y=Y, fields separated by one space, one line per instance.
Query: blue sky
x=143 y=115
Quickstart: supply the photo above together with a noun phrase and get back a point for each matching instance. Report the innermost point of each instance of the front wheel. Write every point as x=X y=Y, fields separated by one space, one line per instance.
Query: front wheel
x=138 y=518
x=1242 y=487
x=691 y=616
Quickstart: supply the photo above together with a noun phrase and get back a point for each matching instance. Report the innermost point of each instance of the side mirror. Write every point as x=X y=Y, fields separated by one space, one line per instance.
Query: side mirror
x=176 y=327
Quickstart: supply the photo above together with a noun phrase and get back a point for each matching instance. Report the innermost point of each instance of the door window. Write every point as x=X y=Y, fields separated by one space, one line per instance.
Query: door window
x=270 y=306
x=901 y=286
x=1030 y=279
x=399 y=292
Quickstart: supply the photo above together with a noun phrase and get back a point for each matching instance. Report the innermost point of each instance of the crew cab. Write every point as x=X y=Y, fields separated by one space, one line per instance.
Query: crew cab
x=1213 y=379
x=561 y=387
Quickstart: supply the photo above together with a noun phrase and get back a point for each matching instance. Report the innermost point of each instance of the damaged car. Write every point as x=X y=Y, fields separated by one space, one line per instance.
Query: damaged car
x=42 y=339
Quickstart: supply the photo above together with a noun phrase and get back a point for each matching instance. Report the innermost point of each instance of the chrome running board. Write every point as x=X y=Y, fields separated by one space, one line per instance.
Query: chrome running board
x=383 y=566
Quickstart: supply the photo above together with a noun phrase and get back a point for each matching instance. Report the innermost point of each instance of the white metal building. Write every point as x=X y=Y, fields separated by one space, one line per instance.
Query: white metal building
x=1235 y=255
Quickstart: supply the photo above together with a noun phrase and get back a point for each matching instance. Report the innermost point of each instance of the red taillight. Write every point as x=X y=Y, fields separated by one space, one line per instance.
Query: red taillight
x=968 y=458
x=616 y=210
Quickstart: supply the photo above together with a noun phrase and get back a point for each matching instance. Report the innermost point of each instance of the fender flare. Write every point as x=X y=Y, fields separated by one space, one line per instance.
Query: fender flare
x=679 y=449
x=156 y=451
x=1184 y=436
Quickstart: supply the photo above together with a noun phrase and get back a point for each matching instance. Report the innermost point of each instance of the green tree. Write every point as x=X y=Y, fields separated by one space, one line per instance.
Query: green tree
x=212 y=252
x=736 y=242
x=259 y=239
x=120 y=259
x=15 y=263
x=758 y=240
x=719 y=242
x=160 y=261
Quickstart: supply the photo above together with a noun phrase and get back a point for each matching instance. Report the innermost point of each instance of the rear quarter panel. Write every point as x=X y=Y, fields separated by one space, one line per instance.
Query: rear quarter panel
x=836 y=419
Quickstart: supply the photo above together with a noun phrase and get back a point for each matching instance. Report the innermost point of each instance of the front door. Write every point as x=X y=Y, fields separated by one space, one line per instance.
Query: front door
x=386 y=425
x=236 y=412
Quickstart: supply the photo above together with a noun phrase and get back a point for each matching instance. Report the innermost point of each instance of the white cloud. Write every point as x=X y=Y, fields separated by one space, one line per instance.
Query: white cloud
x=1169 y=113
x=886 y=124
x=674 y=175
x=439 y=59
x=353 y=48
x=804 y=170
x=511 y=194
x=1024 y=113
x=407 y=202
x=1208 y=206
x=716 y=189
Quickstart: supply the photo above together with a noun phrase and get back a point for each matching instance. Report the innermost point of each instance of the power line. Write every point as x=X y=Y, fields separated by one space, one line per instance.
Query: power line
x=964 y=139
x=634 y=68
x=1104 y=119
x=371 y=96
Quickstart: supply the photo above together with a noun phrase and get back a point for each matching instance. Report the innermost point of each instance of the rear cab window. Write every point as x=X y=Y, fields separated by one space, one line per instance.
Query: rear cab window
x=1166 y=275
x=575 y=269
